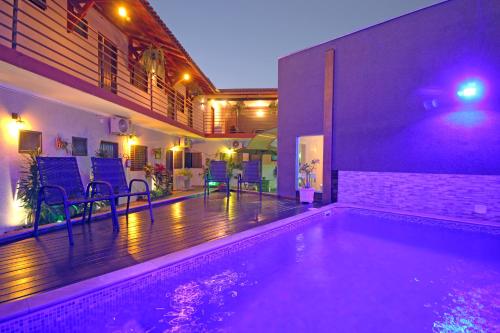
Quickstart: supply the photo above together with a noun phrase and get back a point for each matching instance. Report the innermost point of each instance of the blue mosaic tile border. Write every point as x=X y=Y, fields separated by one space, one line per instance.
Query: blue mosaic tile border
x=55 y=318
x=441 y=223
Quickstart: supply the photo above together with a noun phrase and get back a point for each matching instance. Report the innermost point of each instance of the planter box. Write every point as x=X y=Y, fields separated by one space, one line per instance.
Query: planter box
x=306 y=195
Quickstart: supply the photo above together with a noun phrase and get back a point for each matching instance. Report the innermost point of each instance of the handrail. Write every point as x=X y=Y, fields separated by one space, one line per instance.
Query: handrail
x=44 y=35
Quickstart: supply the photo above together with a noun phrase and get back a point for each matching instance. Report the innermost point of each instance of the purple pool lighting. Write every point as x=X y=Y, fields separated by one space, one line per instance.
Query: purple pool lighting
x=471 y=90
x=356 y=271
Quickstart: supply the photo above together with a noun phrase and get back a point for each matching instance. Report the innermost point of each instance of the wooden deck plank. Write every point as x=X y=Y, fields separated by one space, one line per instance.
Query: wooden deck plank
x=33 y=265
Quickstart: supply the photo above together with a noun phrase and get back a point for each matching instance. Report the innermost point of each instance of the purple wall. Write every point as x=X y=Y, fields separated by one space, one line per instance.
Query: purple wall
x=395 y=105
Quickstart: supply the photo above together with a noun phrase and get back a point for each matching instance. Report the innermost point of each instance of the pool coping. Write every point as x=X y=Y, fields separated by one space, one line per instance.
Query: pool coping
x=18 y=308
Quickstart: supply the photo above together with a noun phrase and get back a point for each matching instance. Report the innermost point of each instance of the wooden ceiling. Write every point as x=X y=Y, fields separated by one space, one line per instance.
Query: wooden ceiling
x=145 y=28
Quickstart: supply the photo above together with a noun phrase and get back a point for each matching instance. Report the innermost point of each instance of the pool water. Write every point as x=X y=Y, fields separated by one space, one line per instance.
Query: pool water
x=351 y=272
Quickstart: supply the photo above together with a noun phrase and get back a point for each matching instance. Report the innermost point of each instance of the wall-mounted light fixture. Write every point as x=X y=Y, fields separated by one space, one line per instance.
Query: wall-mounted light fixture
x=132 y=140
x=123 y=13
x=471 y=90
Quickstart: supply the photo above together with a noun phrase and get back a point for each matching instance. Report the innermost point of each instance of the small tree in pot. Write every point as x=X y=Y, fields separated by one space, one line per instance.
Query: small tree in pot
x=306 y=170
x=187 y=174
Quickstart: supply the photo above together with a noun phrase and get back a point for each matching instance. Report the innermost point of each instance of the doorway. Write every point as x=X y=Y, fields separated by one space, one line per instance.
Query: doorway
x=310 y=148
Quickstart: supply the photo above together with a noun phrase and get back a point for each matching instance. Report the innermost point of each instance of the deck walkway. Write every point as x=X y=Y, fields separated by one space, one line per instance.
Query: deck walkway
x=33 y=265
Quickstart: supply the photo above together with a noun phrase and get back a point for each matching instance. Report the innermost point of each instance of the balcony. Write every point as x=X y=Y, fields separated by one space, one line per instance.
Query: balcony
x=95 y=53
x=240 y=113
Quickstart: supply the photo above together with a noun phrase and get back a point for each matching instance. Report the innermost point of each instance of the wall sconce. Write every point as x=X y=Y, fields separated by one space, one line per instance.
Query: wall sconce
x=15 y=125
x=132 y=140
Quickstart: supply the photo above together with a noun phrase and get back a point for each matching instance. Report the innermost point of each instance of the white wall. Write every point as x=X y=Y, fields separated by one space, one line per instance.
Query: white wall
x=53 y=119
x=210 y=149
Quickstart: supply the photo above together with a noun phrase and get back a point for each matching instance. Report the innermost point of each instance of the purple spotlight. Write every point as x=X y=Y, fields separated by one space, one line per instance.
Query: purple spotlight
x=471 y=90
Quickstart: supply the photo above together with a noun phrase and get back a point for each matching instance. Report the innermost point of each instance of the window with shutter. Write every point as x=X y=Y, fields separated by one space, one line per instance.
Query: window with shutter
x=138 y=157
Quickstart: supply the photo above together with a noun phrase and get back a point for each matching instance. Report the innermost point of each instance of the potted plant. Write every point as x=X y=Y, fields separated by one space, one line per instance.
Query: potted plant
x=306 y=191
x=187 y=174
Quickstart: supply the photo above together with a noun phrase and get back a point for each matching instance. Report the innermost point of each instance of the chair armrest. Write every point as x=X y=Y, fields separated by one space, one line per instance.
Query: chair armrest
x=100 y=182
x=56 y=187
x=140 y=181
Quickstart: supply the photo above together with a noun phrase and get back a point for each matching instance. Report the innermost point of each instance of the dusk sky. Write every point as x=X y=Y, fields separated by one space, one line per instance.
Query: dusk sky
x=237 y=43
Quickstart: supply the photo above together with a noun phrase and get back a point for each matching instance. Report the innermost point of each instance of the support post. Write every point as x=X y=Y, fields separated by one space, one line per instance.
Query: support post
x=15 y=10
x=328 y=127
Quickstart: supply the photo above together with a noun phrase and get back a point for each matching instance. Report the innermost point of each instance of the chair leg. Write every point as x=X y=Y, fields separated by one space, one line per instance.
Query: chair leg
x=84 y=212
x=150 y=208
x=260 y=190
x=91 y=208
x=228 y=190
x=37 y=212
x=128 y=208
x=68 y=224
x=114 y=216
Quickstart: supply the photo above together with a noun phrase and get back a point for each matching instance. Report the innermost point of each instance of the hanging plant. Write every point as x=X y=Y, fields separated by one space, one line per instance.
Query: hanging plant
x=273 y=107
x=194 y=89
x=237 y=109
x=153 y=61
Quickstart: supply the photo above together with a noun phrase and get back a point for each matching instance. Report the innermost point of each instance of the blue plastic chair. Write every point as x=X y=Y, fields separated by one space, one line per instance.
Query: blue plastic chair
x=61 y=184
x=218 y=174
x=111 y=170
x=251 y=174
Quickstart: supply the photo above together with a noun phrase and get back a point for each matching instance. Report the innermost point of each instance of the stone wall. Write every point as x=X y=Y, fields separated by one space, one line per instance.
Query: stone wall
x=457 y=196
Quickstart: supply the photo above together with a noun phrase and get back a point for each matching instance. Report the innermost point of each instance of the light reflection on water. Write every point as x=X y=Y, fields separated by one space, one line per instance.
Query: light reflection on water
x=470 y=310
x=189 y=302
x=356 y=274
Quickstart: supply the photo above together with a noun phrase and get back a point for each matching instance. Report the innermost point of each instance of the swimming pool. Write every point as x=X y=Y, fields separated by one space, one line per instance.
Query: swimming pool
x=355 y=271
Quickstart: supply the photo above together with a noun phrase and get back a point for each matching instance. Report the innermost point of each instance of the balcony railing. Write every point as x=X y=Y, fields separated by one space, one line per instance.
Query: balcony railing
x=89 y=54
x=250 y=121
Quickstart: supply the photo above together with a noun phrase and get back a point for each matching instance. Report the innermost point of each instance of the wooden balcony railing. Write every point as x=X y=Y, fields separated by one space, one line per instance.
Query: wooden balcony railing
x=96 y=55
x=228 y=123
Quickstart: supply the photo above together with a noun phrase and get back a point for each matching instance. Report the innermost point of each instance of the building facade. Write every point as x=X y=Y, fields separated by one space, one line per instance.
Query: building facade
x=83 y=78
x=406 y=113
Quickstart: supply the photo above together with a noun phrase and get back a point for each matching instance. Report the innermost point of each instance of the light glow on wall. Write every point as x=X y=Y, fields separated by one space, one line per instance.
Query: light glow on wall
x=260 y=113
x=466 y=118
x=11 y=127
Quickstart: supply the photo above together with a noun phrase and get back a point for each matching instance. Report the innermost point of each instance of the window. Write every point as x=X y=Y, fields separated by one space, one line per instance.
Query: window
x=138 y=157
x=193 y=160
x=139 y=77
x=179 y=103
x=29 y=141
x=178 y=159
x=75 y=23
x=82 y=28
x=108 y=62
x=42 y=4
x=108 y=149
x=79 y=146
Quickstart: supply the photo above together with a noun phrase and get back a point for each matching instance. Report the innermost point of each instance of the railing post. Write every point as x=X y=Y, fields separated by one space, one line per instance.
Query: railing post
x=15 y=10
x=151 y=93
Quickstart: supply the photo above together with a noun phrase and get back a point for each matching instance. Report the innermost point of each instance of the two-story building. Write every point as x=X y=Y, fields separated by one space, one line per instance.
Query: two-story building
x=87 y=77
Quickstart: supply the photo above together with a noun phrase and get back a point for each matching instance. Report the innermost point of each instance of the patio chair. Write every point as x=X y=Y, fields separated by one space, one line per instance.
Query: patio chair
x=111 y=170
x=251 y=174
x=61 y=184
x=217 y=173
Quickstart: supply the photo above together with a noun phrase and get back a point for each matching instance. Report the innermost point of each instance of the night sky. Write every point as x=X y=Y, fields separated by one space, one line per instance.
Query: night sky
x=237 y=43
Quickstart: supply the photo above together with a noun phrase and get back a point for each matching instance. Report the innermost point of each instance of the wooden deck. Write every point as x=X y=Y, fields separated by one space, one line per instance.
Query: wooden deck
x=33 y=265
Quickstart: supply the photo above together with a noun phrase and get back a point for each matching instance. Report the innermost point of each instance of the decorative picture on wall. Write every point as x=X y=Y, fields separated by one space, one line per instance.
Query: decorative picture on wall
x=29 y=141
x=157 y=153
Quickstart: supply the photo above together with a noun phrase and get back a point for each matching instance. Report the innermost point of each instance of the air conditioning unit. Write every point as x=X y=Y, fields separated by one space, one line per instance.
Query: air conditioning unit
x=120 y=126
